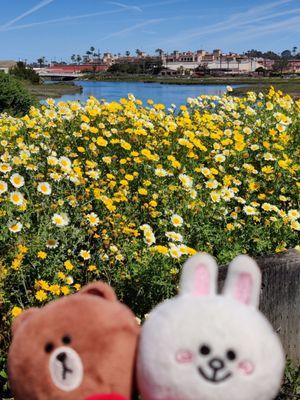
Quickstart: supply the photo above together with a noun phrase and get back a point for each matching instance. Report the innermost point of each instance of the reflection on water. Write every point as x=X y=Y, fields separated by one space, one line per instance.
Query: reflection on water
x=166 y=94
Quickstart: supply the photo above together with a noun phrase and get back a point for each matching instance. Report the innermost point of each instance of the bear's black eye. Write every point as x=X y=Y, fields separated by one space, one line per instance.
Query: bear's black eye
x=231 y=355
x=66 y=339
x=205 y=350
x=49 y=347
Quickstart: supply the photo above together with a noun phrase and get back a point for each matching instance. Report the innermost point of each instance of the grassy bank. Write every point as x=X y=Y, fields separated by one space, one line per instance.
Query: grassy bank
x=55 y=90
x=207 y=80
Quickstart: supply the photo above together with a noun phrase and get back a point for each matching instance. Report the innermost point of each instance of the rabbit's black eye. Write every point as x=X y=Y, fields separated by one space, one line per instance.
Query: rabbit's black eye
x=205 y=350
x=231 y=355
x=66 y=339
x=49 y=347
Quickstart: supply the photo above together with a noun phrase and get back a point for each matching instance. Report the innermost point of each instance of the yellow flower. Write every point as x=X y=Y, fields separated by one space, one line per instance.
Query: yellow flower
x=93 y=219
x=295 y=225
x=143 y=191
x=55 y=289
x=68 y=265
x=44 y=188
x=60 y=220
x=17 y=198
x=85 y=254
x=41 y=295
x=268 y=169
x=101 y=142
x=65 y=162
x=215 y=196
x=61 y=275
x=92 y=268
x=293 y=214
x=3 y=187
x=65 y=290
x=249 y=210
x=230 y=227
x=15 y=227
x=17 y=180
x=177 y=220
x=4 y=168
x=16 y=311
x=42 y=255
x=267 y=207
x=160 y=249
x=175 y=252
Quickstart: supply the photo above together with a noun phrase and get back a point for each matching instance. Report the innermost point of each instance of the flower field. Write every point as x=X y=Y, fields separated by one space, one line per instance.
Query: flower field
x=125 y=192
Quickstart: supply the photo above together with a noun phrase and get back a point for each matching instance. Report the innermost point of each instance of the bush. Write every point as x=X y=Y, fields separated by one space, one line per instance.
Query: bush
x=14 y=98
x=125 y=193
x=25 y=73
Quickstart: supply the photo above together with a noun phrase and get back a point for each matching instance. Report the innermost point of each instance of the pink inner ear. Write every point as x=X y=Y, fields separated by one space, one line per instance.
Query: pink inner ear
x=243 y=288
x=202 y=281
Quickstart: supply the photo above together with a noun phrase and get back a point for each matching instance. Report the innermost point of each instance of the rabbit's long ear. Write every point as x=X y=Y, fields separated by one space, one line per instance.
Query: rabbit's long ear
x=243 y=281
x=199 y=276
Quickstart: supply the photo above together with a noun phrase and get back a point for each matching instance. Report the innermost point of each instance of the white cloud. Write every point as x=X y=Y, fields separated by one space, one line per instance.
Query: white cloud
x=63 y=19
x=32 y=10
x=235 y=21
x=125 y=6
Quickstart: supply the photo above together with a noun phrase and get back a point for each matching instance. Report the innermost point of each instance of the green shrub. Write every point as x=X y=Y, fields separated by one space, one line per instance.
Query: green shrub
x=14 y=98
x=24 y=72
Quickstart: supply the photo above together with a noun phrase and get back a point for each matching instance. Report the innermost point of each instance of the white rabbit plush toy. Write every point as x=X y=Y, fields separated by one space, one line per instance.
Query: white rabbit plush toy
x=204 y=346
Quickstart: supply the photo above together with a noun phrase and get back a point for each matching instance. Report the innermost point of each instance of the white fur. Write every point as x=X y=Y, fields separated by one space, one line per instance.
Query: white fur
x=169 y=358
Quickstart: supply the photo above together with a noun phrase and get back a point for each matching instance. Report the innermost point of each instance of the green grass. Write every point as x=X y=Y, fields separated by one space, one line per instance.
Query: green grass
x=207 y=80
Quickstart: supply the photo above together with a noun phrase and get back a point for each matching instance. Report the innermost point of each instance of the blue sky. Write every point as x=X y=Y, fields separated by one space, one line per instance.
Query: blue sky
x=58 y=28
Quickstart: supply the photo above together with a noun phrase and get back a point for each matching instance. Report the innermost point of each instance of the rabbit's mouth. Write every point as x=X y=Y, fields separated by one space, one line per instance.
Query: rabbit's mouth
x=215 y=378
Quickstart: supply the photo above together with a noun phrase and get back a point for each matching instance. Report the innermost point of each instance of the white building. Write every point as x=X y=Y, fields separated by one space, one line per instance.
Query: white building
x=215 y=61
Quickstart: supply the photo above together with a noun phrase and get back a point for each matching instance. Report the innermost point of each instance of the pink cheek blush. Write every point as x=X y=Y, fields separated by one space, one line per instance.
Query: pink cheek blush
x=246 y=367
x=184 y=356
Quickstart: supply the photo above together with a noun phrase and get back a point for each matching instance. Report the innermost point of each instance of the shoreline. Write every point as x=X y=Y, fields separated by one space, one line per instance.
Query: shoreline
x=54 y=90
x=191 y=81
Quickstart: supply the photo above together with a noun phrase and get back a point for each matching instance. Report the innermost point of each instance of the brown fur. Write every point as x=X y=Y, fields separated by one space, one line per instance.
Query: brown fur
x=104 y=333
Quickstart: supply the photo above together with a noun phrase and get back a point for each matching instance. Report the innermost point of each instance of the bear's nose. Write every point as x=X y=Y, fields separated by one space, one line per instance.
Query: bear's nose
x=61 y=357
x=216 y=364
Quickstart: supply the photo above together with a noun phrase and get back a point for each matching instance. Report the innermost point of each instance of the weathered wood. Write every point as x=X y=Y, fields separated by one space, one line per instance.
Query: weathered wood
x=280 y=297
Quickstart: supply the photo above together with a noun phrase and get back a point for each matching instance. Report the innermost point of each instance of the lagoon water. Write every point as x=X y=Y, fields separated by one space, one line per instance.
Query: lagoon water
x=166 y=94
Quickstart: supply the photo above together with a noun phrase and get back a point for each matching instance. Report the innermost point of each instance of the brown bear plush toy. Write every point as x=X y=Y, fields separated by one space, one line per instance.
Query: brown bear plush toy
x=80 y=347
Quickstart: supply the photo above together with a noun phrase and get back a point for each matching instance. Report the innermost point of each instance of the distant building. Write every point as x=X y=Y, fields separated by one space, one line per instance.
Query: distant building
x=5 y=65
x=215 y=62
x=293 y=66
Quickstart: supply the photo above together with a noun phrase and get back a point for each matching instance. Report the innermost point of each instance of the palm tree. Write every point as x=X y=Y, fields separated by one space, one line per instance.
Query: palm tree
x=78 y=58
x=127 y=53
x=160 y=52
x=73 y=58
x=294 y=50
x=138 y=52
x=41 y=61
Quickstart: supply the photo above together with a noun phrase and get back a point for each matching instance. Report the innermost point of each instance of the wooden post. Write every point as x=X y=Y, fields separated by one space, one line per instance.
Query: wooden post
x=280 y=297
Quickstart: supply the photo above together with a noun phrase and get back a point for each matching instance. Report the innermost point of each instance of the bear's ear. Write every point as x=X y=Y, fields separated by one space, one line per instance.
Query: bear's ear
x=199 y=276
x=18 y=321
x=100 y=289
x=243 y=281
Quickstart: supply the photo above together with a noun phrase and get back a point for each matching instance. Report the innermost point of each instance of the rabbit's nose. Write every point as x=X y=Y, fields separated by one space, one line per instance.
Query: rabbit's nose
x=216 y=363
